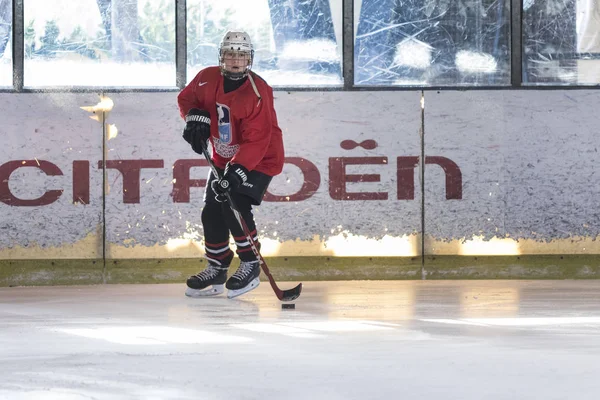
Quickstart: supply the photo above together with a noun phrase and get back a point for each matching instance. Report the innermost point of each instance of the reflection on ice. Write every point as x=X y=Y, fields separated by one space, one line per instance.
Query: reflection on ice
x=153 y=335
x=516 y=322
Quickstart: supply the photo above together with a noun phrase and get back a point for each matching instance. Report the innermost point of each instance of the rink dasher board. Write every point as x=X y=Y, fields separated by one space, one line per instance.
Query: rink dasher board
x=525 y=160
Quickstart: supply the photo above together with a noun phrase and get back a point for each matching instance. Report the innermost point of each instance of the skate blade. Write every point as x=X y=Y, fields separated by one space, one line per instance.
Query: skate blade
x=212 y=291
x=238 y=292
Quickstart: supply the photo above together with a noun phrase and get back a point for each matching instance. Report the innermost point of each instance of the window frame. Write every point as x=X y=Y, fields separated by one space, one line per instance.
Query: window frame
x=516 y=53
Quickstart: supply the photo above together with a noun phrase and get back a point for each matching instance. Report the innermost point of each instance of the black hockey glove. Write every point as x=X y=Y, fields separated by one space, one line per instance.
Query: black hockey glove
x=197 y=129
x=235 y=175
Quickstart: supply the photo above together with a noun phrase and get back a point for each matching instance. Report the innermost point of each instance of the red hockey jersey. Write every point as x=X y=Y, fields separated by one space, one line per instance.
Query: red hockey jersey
x=244 y=128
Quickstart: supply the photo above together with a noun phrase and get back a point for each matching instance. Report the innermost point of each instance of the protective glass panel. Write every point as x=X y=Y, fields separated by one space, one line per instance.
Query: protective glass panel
x=432 y=42
x=296 y=42
x=122 y=43
x=6 y=73
x=561 y=42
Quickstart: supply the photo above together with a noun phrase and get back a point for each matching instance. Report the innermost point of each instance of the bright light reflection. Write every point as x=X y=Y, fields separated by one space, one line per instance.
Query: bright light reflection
x=174 y=244
x=153 y=335
x=504 y=302
x=112 y=131
x=278 y=329
x=306 y=329
x=451 y=321
x=536 y=321
x=541 y=321
x=338 y=326
x=349 y=245
x=307 y=50
x=413 y=53
x=390 y=305
x=494 y=246
x=474 y=62
x=269 y=247
x=106 y=104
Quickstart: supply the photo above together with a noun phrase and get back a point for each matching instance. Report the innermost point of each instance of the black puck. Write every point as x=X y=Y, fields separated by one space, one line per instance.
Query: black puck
x=288 y=306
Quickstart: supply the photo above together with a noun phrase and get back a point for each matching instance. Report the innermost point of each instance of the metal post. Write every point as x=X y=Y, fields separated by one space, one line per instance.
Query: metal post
x=516 y=42
x=181 y=43
x=348 y=43
x=18 y=44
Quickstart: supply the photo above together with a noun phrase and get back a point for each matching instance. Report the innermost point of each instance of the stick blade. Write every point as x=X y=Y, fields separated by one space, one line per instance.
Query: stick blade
x=291 y=294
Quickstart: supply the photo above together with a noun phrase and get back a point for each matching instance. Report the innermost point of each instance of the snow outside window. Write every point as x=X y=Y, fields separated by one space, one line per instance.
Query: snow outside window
x=296 y=42
x=6 y=73
x=119 y=43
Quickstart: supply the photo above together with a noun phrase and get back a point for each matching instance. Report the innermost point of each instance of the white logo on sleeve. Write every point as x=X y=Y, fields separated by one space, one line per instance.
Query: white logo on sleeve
x=202 y=83
x=197 y=118
x=241 y=174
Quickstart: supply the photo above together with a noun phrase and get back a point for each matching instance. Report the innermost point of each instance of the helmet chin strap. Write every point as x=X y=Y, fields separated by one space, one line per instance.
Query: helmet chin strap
x=234 y=76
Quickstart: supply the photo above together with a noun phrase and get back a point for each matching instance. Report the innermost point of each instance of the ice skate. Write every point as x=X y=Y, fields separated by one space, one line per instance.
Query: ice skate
x=208 y=282
x=244 y=280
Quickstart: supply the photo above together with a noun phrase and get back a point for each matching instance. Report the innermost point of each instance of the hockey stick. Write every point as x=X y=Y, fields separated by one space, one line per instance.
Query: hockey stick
x=283 y=295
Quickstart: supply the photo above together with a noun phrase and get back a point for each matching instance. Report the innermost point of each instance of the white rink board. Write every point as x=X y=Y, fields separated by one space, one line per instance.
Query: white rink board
x=49 y=128
x=313 y=124
x=529 y=161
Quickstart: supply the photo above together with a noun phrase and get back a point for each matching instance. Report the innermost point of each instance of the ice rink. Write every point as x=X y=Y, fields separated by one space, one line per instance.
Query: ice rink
x=345 y=340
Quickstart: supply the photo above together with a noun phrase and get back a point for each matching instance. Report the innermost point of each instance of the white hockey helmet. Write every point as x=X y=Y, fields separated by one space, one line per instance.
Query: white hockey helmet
x=239 y=42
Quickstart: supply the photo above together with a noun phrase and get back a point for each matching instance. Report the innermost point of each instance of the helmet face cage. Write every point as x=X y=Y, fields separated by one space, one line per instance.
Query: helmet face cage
x=239 y=43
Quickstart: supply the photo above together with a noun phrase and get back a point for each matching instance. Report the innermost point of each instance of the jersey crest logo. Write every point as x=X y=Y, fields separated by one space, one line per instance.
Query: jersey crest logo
x=224 y=123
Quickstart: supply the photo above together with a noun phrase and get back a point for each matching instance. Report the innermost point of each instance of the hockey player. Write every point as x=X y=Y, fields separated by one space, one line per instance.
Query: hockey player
x=232 y=107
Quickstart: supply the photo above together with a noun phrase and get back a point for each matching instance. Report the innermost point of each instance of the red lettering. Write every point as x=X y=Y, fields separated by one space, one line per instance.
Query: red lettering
x=406 y=177
x=8 y=168
x=131 y=172
x=310 y=185
x=182 y=184
x=453 y=176
x=81 y=182
x=338 y=178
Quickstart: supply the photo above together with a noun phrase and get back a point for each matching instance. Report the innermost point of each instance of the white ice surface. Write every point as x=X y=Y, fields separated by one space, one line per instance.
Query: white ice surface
x=345 y=340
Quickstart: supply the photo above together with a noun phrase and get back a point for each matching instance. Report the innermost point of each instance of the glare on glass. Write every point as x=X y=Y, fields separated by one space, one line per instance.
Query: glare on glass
x=121 y=43
x=561 y=42
x=432 y=42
